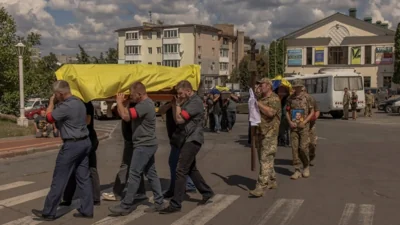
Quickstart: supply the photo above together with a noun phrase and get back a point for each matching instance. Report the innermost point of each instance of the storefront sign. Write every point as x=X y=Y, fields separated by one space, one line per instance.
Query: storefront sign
x=356 y=55
x=319 y=56
x=383 y=55
x=295 y=57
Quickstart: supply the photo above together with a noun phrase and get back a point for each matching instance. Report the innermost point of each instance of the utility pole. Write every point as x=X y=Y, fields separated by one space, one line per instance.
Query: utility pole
x=253 y=72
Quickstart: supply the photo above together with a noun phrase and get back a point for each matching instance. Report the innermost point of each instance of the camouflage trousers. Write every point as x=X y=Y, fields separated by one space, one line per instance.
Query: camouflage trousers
x=368 y=110
x=267 y=147
x=300 y=147
x=313 y=141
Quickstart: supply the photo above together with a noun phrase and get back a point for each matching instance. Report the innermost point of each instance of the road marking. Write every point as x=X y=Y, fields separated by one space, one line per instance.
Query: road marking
x=322 y=138
x=27 y=220
x=31 y=145
x=291 y=207
x=107 y=130
x=14 y=185
x=23 y=198
x=122 y=220
x=202 y=214
x=366 y=216
x=347 y=213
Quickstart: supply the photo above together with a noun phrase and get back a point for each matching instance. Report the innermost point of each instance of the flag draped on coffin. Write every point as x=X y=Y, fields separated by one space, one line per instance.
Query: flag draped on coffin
x=280 y=81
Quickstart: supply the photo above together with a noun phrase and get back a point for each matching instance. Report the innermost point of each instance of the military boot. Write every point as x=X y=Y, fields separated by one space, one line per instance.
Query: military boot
x=257 y=192
x=272 y=185
x=296 y=175
x=306 y=172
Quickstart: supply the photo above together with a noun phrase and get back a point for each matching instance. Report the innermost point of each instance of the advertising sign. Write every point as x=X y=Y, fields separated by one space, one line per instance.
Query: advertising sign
x=295 y=57
x=356 y=55
x=383 y=55
x=319 y=56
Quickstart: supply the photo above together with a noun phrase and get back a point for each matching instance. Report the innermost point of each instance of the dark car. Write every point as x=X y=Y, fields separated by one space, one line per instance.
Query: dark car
x=387 y=105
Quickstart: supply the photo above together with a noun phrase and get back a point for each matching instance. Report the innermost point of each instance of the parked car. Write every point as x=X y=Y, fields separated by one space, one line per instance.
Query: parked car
x=396 y=107
x=33 y=103
x=34 y=112
x=386 y=106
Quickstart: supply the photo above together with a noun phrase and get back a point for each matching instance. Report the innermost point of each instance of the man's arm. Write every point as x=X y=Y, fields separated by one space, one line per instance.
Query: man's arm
x=164 y=108
x=123 y=112
x=57 y=114
x=266 y=110
x=311 y=108
x=191 y=109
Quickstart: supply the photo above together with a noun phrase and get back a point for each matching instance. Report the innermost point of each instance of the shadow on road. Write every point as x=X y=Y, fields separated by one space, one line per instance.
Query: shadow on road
x=283 y=171
x=238 y=181
x=243 y=140
x=283 y=162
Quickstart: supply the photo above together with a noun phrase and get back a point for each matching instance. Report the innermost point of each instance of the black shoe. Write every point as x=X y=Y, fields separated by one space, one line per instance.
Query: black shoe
x=117 y=210
x=170 y=210
x=81 y=215
x=206 y=200
x=97 y=203
x=65 y=203
x=155 y=208
x=168 y=194
x=40 y=215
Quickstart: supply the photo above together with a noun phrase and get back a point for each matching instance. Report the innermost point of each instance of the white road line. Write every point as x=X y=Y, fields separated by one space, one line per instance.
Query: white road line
x=27 y=220
x=271 y=211
x=14 y=185
x=122 y=220
x=347 y=213
x=366 y=216
x=322 y=138
x=291 y=208
x=104 y=127
x=106 y=130
x=202 y=214
x=23 y=198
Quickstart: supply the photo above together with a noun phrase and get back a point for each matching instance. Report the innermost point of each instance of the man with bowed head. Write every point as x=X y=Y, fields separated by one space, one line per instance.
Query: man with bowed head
x=70 y=118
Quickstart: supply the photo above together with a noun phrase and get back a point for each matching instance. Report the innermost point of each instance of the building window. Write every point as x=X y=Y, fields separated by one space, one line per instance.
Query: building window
x=367 y=81
x=158 y=34
x=224 y=53
x=171 y=33
x=223 y=66
x=309 y=56
x=159 y=50
x=387 y=82
x=338 y=55
x=159 y=63
x=149 y=35
x=172 y=63
x=171 y=48
x=213 y=51
x=150 y=50
x=367 y=55
x=150 y=63
x=225 y=41
x=133 y=62
x=132 y=50
x=132 y=36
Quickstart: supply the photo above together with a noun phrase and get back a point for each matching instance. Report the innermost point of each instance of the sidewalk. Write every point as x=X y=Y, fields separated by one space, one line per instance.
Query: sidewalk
x=11 y=147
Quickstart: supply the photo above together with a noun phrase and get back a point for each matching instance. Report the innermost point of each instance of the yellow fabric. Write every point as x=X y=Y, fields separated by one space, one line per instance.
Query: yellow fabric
x=221 y=88
x=99 y=81
x=284 y=82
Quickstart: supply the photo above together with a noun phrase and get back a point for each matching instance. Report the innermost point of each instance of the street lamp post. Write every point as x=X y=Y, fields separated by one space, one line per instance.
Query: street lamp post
x=22 y=120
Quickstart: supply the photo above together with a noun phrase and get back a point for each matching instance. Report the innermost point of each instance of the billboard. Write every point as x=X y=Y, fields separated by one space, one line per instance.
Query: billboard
x=384 y=55
x=356 y=55
x=295 y=57
x=319 y=56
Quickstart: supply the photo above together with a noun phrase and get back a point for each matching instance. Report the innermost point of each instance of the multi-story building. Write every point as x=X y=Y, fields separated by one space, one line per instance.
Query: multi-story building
x=177 y=45
x=63 y=59
x=36 y=54
x=344 y=41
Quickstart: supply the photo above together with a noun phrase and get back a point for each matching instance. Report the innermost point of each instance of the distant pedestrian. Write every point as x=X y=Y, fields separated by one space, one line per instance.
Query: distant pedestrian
x=70 y=117
x=346 y=104
x=43 y=128
x=267 y=136
x=369 y=102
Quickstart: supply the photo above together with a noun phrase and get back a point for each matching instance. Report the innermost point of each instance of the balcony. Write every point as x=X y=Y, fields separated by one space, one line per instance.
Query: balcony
x=171 y=40
x=223 y=59
x=132 y=42
x=133 y=58
x=224 y=46
x=223 y=73
x=172 y=56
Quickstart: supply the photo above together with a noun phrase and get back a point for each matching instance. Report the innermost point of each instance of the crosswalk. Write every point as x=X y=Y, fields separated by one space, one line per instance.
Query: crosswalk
x=106 y=127
x=280 y=212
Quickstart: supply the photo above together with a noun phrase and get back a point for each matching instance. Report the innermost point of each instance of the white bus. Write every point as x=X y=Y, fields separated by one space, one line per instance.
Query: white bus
x=327 y=87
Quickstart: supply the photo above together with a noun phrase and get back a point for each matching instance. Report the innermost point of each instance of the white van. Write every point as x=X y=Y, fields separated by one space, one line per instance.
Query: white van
x=35 y=103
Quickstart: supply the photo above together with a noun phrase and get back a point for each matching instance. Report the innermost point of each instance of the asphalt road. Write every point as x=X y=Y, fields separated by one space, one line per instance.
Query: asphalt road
x=355 y=180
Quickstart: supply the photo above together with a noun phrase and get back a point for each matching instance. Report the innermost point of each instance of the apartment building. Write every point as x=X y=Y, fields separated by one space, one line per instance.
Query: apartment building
x=63 y=59
x=178 y=45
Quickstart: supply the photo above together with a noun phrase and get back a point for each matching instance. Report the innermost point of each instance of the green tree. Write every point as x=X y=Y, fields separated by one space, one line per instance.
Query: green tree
x=112 y=56
x=281 y=57
x=101 y=58
x=83 y=57
x=396 y=74
x=272 y=59
x=263 y=50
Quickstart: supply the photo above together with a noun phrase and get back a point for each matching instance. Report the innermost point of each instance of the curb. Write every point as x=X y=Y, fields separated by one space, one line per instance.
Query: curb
x=28 y=151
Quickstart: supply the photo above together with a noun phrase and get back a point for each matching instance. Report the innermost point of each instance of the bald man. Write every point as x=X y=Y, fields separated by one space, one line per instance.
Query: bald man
x=143 y=119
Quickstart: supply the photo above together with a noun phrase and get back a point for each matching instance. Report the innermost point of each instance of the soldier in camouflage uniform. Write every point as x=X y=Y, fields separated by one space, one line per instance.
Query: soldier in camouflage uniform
x=369 y=102
x=346 y=104
x=313 y=130
x=300 y=102
x=267 y=136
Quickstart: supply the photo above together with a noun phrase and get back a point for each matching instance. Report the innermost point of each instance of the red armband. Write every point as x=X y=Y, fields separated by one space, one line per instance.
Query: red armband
x=50 y=118
x=314 y=118
x=288 y=108
x=133 y=113
x=185 y=115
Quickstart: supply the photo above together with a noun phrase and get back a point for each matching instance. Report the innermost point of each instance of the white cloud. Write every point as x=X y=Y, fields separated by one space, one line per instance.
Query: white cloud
x=93 y=22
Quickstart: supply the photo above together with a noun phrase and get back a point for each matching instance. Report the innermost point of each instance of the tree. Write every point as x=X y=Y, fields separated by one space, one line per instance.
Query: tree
x=112 y=56
x=263 y=50
x=396 y=74
x=101 y=58
x=272 y=59
x=277 y=58
x=83 y=57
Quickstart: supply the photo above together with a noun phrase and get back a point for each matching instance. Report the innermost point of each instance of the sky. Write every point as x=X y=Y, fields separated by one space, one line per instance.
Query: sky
x=65 y=24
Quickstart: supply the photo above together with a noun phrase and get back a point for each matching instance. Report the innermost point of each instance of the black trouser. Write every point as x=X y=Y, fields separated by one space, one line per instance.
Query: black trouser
x=122 y=176
x=187 y=167
x=231 y=118
x=94 y=176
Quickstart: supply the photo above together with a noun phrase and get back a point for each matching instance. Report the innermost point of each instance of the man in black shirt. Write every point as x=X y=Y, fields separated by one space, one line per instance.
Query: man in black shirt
x=94 y=176
x=174 y=153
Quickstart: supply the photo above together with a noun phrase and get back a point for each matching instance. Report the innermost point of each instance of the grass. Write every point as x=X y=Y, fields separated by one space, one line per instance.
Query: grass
x=11 y=129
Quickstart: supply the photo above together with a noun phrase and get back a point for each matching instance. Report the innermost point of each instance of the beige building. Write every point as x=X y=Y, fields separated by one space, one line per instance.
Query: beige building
x=63 y=59
x=213 y=48
x=343 y=41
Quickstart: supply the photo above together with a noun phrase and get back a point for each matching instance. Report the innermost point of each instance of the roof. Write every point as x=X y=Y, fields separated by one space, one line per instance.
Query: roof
x=155 y=27
x=370 y=27
x=367 y=40
x=308 y=41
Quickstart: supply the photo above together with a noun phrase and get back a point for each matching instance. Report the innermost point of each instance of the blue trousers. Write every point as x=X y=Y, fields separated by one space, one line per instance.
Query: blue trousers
x=73 y=156
x=173 y=163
